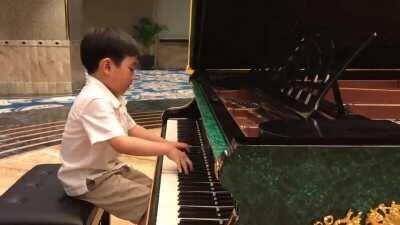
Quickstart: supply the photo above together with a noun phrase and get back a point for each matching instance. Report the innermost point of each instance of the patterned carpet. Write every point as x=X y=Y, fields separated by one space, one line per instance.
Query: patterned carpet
x=149 y=85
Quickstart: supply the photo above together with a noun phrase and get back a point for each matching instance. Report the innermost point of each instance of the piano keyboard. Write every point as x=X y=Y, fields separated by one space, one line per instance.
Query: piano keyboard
x=197 y=198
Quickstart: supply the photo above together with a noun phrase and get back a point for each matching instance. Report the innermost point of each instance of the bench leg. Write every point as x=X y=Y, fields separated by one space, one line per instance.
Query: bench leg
x=98 y=216
x=105 y=218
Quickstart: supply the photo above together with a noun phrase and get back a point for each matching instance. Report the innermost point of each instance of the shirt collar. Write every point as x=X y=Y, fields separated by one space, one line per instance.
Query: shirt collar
x=116 y=102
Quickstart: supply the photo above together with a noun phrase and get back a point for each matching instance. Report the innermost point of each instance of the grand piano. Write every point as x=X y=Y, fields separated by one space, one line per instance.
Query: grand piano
x=294 y=119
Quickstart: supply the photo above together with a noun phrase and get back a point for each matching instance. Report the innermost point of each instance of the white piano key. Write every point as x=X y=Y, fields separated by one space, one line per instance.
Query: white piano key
x=168 y=202
x=171 y=132
x=167 y=211
x=168 y=166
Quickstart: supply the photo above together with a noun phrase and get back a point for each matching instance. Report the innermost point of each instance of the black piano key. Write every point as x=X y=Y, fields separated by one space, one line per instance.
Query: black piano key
x=195 y=174
x=205 y=199
x=194 y=153
x=197 y=202
x=193 y=188
x=205 y=212
x=199 y=177
x=188 y=133
x=188 y=180
x=219 y=194
x=200 y=184
x=220 y=209
x=202 y=212
x=199 y=188
x=208 y=183
x=198 y=212
x=200 y=194
x=200 y=222
x=184 y=180
x=226 y=213
x=200 y=169
x=205 y=202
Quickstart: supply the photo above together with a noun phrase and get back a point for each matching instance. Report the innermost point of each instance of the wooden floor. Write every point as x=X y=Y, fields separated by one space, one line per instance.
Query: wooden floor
x=13 y=167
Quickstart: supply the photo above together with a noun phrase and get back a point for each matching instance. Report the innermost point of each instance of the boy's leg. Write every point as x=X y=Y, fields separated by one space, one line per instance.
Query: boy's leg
x=137 y=176
x=143 y=220
x=121 y=197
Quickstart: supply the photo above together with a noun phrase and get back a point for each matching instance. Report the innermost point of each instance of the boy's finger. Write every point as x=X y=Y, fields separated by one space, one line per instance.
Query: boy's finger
x=184 y=150
x=190 y=164
x=187 y=149
x=184 y=145
x=178 y=165
x=185 y=167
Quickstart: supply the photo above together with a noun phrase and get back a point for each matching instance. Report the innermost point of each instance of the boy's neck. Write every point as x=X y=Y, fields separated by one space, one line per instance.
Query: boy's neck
x=103 y=81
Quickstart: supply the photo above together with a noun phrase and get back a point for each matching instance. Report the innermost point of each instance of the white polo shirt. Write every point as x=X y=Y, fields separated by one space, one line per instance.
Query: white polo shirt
x=95 y=117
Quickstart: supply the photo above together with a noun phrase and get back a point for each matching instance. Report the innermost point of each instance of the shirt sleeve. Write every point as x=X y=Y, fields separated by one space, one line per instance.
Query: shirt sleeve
x=100 y=121
x=130 y=122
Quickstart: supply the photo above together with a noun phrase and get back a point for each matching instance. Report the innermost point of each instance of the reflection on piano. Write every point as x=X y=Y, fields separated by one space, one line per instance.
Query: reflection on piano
x=278 y=137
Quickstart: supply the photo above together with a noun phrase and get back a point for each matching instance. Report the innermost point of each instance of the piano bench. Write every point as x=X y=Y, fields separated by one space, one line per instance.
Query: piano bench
x=38 y=198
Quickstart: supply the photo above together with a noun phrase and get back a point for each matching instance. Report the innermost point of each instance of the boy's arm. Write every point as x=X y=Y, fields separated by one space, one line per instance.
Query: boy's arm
x=143 y=147
x=141 y=132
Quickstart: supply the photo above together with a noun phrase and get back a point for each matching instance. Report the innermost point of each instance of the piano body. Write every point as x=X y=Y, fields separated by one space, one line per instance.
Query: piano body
x=286 y=125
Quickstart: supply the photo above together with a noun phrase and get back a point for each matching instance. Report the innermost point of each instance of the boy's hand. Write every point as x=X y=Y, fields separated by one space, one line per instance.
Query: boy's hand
x=182 y=161
x=181 y=146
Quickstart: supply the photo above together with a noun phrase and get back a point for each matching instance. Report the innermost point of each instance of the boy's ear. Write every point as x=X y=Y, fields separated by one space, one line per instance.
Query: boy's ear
x=105 y=65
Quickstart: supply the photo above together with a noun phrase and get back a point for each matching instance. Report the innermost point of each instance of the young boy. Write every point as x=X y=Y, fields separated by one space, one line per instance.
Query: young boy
x=98 y=128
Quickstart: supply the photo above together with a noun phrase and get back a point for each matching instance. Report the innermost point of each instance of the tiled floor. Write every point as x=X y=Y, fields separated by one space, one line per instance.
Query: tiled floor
x=149 y=85
x=13 y=167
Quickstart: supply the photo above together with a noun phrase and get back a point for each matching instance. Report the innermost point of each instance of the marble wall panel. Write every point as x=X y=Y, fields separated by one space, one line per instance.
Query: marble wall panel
x=35 y=67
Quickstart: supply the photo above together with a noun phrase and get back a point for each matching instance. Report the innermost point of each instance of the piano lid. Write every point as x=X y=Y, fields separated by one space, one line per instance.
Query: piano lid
x=233 y=34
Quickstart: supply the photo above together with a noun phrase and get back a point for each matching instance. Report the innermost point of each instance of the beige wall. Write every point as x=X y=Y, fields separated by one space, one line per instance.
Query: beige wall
x=117 y=13
x=175 y=15
x=75 y=19
x=32 y=20
x=77 y=69
x=172 y=55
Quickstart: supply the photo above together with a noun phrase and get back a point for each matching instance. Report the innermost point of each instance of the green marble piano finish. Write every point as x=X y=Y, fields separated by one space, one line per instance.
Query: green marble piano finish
x=297 y=185
x=214 y=133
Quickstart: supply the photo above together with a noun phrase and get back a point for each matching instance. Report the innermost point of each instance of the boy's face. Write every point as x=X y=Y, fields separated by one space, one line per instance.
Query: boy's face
x=122 y=76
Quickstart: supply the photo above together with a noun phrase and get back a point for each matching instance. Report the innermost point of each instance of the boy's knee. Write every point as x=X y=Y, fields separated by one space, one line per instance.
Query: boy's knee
x=143 y=220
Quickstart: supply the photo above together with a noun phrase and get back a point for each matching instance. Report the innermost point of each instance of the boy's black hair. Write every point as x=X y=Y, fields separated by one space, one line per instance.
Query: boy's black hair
x=100 y=43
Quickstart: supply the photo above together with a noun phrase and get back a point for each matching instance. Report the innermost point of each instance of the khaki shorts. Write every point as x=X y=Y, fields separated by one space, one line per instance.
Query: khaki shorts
x=124 y=193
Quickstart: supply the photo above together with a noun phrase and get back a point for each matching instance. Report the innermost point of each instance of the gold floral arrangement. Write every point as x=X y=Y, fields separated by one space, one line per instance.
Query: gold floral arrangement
x=381 y=215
